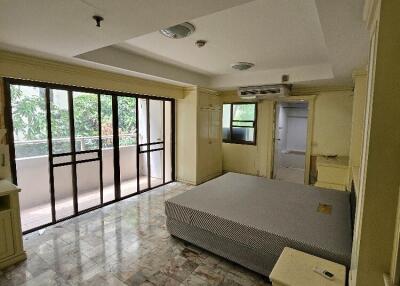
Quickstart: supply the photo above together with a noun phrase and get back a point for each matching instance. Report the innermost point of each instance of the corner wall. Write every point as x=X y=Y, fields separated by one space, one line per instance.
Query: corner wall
x=250 y=159
x=330 y=134
x=380 y=168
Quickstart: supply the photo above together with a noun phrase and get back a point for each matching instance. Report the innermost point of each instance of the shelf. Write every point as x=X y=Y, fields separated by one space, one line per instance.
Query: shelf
x=4 y=203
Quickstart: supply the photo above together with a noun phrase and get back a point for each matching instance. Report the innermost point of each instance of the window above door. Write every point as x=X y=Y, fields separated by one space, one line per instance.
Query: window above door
x=239 y=123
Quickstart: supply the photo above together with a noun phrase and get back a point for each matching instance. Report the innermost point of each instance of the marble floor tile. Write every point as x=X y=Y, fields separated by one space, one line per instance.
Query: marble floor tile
x=122 y=244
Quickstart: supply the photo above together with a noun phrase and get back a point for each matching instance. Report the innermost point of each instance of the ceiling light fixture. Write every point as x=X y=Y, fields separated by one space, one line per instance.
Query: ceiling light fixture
x=242 y=66
x=178 y=31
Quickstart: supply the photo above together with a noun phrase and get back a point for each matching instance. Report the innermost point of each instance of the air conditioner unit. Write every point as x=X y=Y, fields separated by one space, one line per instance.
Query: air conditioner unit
x=264 y=92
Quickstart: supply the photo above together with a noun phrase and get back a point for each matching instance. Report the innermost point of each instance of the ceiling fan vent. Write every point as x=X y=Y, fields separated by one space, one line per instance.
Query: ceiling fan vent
x=178 y=31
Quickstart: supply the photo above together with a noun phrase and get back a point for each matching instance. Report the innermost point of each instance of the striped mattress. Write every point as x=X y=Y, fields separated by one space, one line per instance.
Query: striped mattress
x=248 y=219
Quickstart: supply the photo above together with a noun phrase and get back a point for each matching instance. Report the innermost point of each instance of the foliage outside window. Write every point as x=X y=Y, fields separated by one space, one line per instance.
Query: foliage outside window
x=30 y=122
x=239 y=123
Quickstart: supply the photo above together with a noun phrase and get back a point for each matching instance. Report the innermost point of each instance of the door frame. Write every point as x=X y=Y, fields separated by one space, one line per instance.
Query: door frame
x=310 y=99
x=70 y=89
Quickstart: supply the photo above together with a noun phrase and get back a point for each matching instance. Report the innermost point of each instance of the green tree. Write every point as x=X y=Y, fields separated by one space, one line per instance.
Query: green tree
x=30 y=122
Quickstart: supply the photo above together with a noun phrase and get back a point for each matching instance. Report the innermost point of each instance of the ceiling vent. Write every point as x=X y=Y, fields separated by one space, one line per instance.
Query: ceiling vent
x=272 y=92
x=242 y=66
x=178 y=31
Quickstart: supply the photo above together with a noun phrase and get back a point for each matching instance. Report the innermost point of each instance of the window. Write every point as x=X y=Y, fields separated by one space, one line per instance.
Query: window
x=239 y=122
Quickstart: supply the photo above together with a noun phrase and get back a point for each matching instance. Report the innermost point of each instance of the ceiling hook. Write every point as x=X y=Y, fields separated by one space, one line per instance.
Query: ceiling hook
x=98 y=20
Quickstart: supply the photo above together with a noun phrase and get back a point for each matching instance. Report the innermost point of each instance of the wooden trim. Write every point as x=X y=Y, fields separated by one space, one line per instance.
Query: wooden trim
x=310 y=99
x=39 y=69
x=371 y=14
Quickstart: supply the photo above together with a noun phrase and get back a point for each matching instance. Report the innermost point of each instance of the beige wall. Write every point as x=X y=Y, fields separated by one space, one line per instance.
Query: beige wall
x=34 y=68
x=186 y=137
x=250 y=159
x=332 y=123
x=380 y=167
x=332 y=116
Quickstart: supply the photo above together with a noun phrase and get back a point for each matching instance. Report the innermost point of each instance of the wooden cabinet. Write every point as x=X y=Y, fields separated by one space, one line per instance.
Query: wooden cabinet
x=332 y=172
x=11 y=248
x=6 y=235
x=209 y=124
x=296 y=268
x=199 y=143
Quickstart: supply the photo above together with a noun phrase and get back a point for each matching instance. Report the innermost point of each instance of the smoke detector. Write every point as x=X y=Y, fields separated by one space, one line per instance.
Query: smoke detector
x=242 y=66
x=178 y=31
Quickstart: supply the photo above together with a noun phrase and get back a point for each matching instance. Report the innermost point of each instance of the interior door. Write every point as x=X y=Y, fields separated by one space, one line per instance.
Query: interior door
x=277 y=145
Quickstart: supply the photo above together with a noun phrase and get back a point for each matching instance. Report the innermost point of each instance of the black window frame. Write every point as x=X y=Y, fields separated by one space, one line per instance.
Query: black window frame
x=117 y=184
x=232 y=125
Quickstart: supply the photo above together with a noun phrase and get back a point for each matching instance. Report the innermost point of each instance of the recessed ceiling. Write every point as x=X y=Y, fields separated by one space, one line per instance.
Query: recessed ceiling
x=272 y=34
x=66 y=28
x=314 y=41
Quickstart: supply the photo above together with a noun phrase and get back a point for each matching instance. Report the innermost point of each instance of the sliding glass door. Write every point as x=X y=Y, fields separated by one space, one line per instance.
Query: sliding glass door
x=75 y=149
x=127 y=145
x=152 y=163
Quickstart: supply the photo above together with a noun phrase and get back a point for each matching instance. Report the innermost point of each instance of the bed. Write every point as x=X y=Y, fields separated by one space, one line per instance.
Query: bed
x=249 y=220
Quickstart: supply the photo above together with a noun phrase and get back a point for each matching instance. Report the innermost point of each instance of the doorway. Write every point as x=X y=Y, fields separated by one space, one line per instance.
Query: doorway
x=74 y=149
x=290 y=141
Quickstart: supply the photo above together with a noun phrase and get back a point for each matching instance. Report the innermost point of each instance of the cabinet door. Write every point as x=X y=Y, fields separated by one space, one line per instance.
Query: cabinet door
x=6 y=235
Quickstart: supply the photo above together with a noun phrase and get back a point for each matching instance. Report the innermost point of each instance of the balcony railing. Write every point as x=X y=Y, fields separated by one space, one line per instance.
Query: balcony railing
x=35 y=148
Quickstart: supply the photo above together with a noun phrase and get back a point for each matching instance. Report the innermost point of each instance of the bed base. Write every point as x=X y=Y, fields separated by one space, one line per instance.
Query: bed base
x=261 y=263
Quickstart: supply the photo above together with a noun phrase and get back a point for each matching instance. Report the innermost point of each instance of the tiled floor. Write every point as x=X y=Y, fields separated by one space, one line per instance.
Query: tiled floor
x=293 y=175
x=40 y=215
x=125 y=243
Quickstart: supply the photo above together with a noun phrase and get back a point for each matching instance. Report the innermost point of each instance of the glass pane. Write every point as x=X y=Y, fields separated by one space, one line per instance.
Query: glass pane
x=168 y=142
x=244 y=124
x=107 y=148
x=86 y=122
x=63 y=191
x=142 y=117
x=31 y=150
x=226 y=121
x=62 y=159
x=127 y=144
x=244 y=111
x=242 y=134
x=127 y=121
x=156 y=168
x=60 y=128
x=127 y=162
x=143 y=171
x=87 y=156
x=156 y=120
x=88 y=183
x=155 y=146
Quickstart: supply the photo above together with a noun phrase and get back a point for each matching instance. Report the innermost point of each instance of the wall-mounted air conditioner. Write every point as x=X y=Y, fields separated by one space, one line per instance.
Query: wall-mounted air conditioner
x=264 y=92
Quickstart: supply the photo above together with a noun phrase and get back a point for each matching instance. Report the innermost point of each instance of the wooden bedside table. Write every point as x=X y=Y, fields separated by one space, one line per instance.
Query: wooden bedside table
x=295 y=268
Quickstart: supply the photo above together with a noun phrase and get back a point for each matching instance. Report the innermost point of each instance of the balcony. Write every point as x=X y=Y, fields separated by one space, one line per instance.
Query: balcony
x=33 y=178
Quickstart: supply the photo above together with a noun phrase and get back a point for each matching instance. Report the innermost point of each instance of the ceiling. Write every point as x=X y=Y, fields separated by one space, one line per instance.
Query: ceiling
x=267 y=33
x=314 y=41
